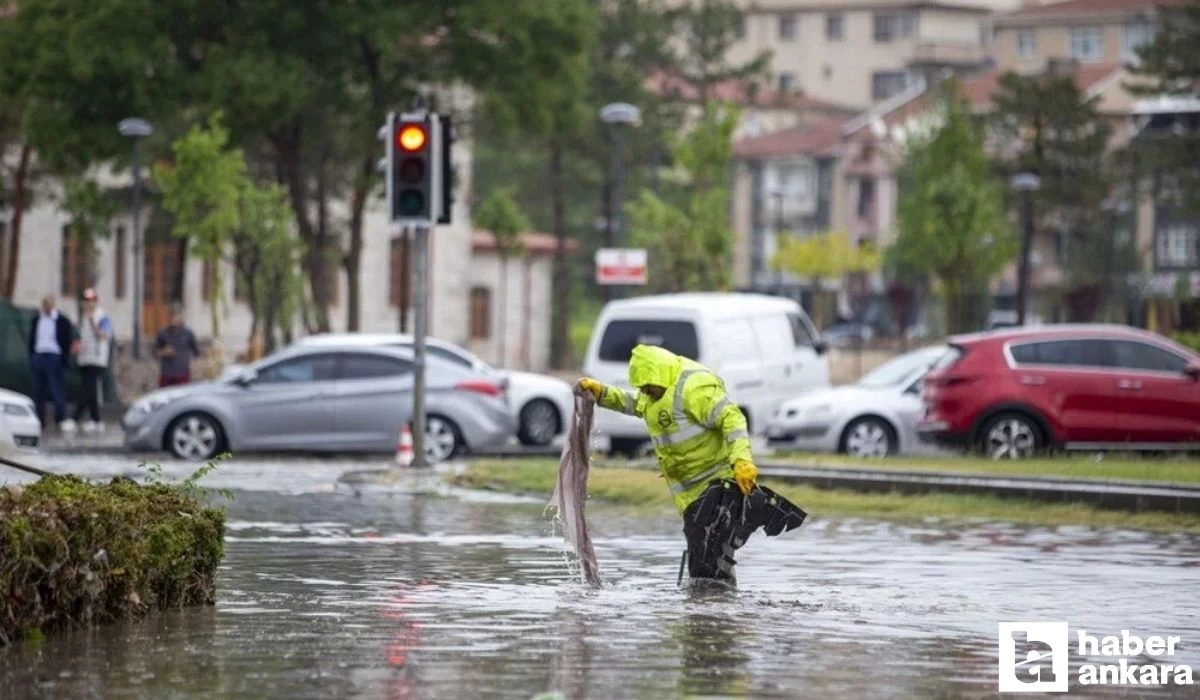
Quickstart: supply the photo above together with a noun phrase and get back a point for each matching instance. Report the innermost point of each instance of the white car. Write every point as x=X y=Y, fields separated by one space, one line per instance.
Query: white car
x=874 y=417
x=18 y=420
x=542 y=405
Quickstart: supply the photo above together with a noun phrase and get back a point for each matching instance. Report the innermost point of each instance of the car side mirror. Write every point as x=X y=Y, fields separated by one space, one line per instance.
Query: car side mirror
x=1192 y=369
x=246 y=378
x=821 y=347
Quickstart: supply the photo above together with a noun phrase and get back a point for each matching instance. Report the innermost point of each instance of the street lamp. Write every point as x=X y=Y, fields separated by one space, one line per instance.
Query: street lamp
x=621 y=114
x=136 y=129
x=777 y=195
x=1026 y=184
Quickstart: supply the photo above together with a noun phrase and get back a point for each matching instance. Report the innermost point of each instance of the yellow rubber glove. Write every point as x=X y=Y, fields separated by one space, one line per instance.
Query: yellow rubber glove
x=744 y=474
x=595 y=387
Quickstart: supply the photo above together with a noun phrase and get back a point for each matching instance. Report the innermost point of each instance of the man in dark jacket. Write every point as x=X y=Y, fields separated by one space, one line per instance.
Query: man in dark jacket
x=51 y=343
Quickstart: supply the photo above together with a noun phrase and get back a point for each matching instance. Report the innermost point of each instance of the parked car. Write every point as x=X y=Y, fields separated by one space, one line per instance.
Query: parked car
x=765 y=349
x=1015 y=392
x=542 y=405
x=874 y=417
x=326 y=398
x=847 y=334
x=19 y=424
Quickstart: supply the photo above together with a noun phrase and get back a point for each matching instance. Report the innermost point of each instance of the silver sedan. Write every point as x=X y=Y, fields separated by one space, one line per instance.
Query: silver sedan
x=323 y=399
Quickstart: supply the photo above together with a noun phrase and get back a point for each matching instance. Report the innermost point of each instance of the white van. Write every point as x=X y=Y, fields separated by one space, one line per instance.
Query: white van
x=765 y=349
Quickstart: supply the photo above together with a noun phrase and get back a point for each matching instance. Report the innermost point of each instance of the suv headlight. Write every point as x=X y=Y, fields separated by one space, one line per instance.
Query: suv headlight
x=16 y=409
x=154 y=402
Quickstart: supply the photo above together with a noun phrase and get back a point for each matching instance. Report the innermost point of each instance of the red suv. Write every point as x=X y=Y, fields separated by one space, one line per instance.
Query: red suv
x=1018 y=391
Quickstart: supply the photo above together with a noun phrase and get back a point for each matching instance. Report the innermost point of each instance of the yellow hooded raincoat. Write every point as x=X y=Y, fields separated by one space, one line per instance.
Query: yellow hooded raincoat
x=697 y=432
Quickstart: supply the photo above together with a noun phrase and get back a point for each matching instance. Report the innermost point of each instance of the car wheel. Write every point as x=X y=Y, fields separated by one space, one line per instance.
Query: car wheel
x=1011 y=436
x=442 y=439
x=869 y=437
x=540 y=422
x=195 y=437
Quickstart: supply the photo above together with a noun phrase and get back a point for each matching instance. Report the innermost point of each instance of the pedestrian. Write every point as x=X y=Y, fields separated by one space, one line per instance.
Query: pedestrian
x=175 y=348
x=51 y=343
x=95 y=331
x=702 y=444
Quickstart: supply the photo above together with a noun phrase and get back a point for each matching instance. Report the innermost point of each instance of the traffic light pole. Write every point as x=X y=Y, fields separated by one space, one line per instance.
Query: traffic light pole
x=421 y=327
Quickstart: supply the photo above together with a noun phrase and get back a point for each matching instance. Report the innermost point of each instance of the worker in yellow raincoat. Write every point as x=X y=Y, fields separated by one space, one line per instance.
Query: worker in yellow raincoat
x=702 y=443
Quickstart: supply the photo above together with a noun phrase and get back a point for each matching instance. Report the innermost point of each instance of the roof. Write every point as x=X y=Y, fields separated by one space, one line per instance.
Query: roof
x=816 y=139
x=1055 y=329
x=710 y=304
x=977 y=91
x=740 y=92
x=1081 y=9
x=535 y=243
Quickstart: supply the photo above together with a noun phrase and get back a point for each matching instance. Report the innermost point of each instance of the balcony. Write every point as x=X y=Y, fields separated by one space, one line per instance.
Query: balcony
x=947 y=53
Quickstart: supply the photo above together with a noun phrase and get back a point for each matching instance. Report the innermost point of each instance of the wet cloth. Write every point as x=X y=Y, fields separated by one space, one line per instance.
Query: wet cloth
x=570 y=489
x=720 y=521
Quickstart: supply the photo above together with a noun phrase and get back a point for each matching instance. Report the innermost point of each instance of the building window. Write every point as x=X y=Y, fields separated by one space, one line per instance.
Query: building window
x=835 y=27
x=1177 y=246
x=739 y=27
x=1085 y=44
x=1026 y=43
x=120 y=254
x=894 y=25
x=1137 y=34
x=400 y=277
x=866 y=198
x=76 y=268
x=481 y=313
x=885 y=84
x=787 y=27
x=986 y=32
x=787 y=82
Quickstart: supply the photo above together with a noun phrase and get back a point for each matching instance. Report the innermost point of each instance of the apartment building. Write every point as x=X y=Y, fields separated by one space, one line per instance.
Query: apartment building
x=858 y=52
x=1086 y=31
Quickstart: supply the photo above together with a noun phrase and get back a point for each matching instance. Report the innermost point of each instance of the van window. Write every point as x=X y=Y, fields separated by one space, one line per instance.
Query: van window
x=775 y=336
x=621 y=336
x=801 y=335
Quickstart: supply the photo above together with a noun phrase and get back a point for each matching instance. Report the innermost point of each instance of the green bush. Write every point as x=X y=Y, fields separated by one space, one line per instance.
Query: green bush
x=1188 y=339
x=78 y=553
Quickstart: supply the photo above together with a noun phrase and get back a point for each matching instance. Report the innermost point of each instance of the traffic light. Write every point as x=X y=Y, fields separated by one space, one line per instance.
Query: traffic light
x=414 y=168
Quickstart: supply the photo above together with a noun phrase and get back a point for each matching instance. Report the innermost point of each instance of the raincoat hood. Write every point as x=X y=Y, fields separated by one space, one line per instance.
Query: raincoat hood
x=655 y=366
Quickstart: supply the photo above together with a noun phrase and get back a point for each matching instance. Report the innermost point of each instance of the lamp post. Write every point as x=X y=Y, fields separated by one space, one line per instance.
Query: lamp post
x=1026 y=184
x=136 y=129
x=620 y=114
x=777 y=195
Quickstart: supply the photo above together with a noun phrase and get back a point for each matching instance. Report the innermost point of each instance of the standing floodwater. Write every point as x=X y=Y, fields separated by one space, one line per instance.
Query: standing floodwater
x=323 y=595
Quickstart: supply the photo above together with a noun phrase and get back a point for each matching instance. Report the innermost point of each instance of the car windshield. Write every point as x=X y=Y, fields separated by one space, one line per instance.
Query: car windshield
x=903 y=369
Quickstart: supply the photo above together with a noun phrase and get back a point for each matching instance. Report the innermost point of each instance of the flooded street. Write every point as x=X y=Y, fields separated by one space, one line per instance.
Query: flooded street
x=422 y=591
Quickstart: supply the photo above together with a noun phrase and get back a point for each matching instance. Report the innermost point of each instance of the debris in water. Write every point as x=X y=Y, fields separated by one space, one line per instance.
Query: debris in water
x=570 y=489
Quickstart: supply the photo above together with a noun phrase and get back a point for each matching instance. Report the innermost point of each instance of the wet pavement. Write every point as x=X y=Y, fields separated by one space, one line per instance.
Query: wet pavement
x=414 y=590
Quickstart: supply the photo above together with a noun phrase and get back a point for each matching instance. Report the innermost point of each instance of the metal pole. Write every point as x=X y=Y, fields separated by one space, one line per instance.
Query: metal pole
x=618 y=208
x=1023 y=263
x=421 y=244
x=778 y=232
x=138 y=275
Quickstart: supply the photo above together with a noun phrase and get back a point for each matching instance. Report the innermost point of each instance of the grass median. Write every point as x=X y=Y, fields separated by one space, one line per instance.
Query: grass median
x=643 y=487
x=1176 y=470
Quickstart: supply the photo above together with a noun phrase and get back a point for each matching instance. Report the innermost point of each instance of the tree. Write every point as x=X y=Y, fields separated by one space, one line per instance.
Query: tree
x=267 y=257
x=1048 y=127
x=500 y=215
x=952 y=223
x=820 y=257
x=690 y=242
x=709 y=29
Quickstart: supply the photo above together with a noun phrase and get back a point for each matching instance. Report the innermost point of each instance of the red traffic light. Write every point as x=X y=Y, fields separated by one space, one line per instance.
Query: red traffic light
x=411 y=137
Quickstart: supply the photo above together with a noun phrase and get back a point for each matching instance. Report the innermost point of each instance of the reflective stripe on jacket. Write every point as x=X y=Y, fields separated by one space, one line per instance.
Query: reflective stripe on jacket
x=697 y=432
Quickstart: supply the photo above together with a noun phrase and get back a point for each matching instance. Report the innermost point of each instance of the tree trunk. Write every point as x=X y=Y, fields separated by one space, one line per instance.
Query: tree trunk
x=19 y=202
x=560 y=342
x=287 y=145
x=502 y=300
x=352 y=262
x=952 y=293
x=527 y=313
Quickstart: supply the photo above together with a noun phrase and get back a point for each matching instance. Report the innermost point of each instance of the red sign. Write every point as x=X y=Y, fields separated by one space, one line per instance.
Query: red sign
x=621 y=266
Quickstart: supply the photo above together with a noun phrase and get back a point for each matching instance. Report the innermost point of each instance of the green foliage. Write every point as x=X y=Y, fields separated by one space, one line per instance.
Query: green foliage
x=823 y=256
x=77 y=553
x=951 y=216
x=710 y=29
x=690 y=243
x=1188 y=339
x=90 y=207
x=502 y=216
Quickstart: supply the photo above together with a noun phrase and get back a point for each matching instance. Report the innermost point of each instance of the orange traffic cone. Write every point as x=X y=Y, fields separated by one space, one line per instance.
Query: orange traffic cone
x=404 y=447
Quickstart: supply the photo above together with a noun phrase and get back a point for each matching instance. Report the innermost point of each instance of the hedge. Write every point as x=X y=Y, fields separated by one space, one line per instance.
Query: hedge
x=75 y=553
